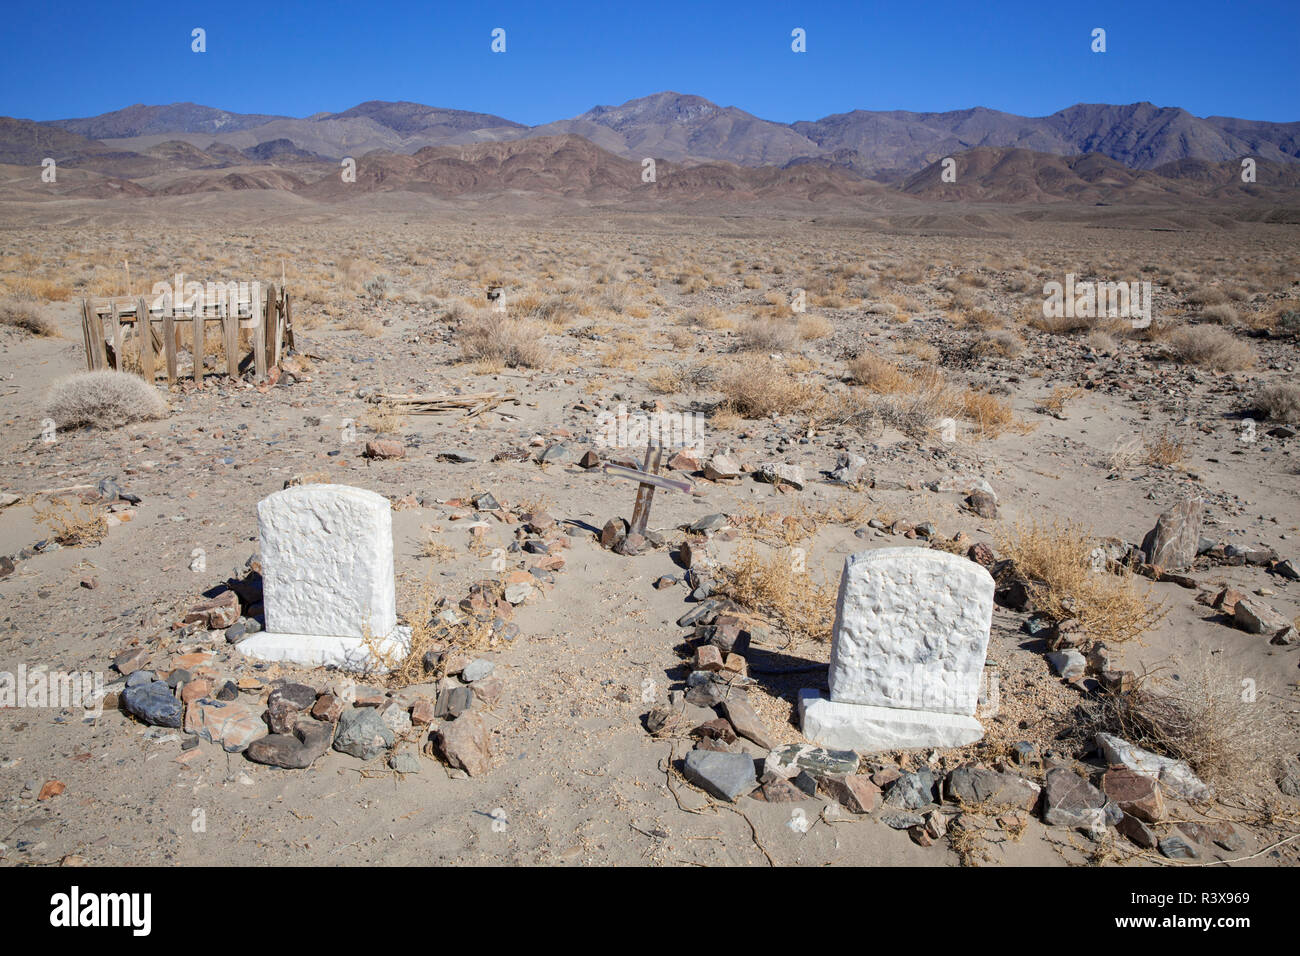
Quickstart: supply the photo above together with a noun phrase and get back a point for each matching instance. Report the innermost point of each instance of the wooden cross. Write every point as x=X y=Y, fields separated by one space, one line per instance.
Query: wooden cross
x=648 y=479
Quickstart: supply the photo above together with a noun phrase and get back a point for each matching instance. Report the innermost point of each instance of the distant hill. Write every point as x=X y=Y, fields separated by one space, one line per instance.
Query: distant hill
x=883 y=145
x=1021 y=176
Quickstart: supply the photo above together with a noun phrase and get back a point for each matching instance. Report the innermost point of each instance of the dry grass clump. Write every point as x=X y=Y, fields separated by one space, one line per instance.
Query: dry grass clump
x=429 y=632
x=494 y=339
x=1201 y=718
x=1280 y=402
x=383 y=419
x=778 y=589
x=73 y=525
x=918 y=400
x=1002 y=343
x=103 y=399
x=990 y=415
x=878 y=374
x=1060 y=396
x=1164 y=450
x=757 y=387
x=1224 y=314
x=1209 y=346
x=1057 y=324
x=19 y=314
x=813 y=327
x=768 y=335
x=1056 y=561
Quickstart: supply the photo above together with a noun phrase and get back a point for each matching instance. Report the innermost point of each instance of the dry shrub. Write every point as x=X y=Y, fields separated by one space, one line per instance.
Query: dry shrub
x=1056 y=561
x=802 y=522
x=383 y=419
x=1060 y=396
x=666 y=380
x=813 y=327
x=1164 y=450
x=990 y=415
x=1224 y=314
x=495 y=339
x=1200 y=718
x=768 y=335
x=73 y=525
x=103 y=399
x=773 y=589
x=1102 y=342
x=429 y=632
x=1206 y=295
x=757 y=387
x=1057 y=324
x=878 y=374
x=19 y=314
x=1211 y=347
x=356 y=322
x=1279 y=402
x=1002 y=343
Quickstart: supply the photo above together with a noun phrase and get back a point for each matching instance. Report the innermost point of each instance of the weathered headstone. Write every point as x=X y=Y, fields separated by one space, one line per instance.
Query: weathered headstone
x=327 y=579
x=907 y=654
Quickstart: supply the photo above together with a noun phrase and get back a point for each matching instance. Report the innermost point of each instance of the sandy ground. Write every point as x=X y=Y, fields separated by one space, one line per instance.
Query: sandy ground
x=577 y=780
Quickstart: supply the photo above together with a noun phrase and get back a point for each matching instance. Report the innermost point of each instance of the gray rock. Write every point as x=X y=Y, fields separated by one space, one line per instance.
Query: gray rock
x=747 y=722
x=136 y=678
x=851 y=469
x=776 y=471
x=911 y=791
x=788 y=760
x=293 y=751
x=975 y=787
x=557 y=452
x=153 y=703
x=1069 y=664
x=477 y=670
x=1255 y=617
x=453 y=701
x=1071 y=801
x=1175 y=776
x=362 y=734
x=1172 y=544
x=1176 y=848
x=1137 y=832
x=901 y=820
x=404 y=762
x=298 y=696
x=710 y=523
x=726 y=776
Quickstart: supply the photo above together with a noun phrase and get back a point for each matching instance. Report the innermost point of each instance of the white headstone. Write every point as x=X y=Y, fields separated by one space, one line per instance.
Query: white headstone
x=328 y=589
x=907 y=654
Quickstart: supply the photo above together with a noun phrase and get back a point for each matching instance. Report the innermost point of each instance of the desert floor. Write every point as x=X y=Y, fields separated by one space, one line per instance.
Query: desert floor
x=1101 y=427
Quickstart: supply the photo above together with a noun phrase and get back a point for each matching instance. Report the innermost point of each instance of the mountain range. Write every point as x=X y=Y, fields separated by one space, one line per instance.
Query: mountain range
x=1096 y=154
x=683 y=128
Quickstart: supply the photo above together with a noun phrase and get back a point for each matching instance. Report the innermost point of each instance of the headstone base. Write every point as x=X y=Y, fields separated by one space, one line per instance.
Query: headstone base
x=870 y=729
x=317 y=650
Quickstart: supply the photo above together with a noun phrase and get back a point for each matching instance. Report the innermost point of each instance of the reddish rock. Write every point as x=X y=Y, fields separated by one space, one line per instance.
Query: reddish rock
x=708 y=658
x=423 y=711
x=385 y=448
x=1134 y=793
x=853 y=791
x=717 y=729
x=465 y=743
x=215 y=613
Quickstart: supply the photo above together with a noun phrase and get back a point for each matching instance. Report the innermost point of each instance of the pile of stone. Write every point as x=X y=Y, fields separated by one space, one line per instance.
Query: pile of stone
x=289 y=724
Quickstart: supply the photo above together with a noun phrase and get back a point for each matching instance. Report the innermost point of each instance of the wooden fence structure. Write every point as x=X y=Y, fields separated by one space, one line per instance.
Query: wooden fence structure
x=116 y=338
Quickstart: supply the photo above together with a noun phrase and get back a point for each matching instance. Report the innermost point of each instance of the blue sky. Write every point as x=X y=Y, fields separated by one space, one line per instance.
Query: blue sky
x=61 y=59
